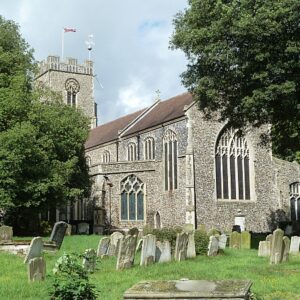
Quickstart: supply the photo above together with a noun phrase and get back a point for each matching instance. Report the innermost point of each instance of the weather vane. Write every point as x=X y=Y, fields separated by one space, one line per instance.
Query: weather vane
x=157 y=92
x=90 y=43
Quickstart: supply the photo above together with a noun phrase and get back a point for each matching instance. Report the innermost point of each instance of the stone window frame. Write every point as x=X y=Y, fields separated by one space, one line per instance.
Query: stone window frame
x=295 y=201
x=238 y=151
x=131 y=151
x=132 y=184
x=170 y=158
x=106 y=157
x=72 y=88
x=149 y=148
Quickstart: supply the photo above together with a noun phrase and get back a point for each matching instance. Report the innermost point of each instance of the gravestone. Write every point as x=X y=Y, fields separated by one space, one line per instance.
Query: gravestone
x=277 y=245
x=264 y=248
x=58 y=233
x=35 y=249
x=139 y=245
x=285 y=249
x=269 y=238
x=163 y=251
x=295 y=242
x=191 y=247
x=69 y=230
x=213 y=246
x=103 y=246
x=222 y=241
x=235 y=240
x=245 y=240
x=89 y=260
x=83 y=228
x=115 y=239
x=36 y=269
x=133 y=231
x=187 y=227
x=181 y=246
x=148 y=250
x=6 y=233
x=126 y=252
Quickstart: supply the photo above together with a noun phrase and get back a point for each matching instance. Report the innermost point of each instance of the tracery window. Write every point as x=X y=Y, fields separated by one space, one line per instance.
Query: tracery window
x=132 y=199
x=72 y=87
x=149 y=148
x=295 y=201
x=131 y=152
x=232 y=163
x=170 y=160
x=106 y=156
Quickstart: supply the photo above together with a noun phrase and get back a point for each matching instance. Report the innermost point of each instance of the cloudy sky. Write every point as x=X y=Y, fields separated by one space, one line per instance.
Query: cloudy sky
x=131 y=54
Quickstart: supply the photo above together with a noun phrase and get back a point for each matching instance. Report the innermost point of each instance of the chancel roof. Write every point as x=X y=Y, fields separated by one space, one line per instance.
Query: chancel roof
x=159 y=113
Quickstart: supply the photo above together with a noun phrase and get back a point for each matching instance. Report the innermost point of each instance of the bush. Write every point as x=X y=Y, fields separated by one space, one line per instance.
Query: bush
x=71 y=280
x=201 y=242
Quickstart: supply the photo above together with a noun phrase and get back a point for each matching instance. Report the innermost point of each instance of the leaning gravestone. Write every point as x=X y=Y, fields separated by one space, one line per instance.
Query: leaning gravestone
x=89 y=260
x=191 y=247
x=222 y=241
x=295 y=242
x=6 y=233
x=181 y=246
x=285 y=249
x=139 y=245
x=213 y=246
x=115 y=239
x=235 y=240
x=264 y=248
x=58 y=233
x=163 y=251
x=36 y=269
x=148 y=250
x=245 y=240
x=133 y=231
x=35 y=249
x=126 y=252
x=103 y=246
x=277 y=245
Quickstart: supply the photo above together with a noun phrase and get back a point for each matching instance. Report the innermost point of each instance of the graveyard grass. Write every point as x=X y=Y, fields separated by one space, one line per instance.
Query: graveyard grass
x=270 y=282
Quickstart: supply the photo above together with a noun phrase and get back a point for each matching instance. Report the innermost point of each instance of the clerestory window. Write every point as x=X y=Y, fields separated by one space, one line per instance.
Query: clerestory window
x=131 y=152
x=106 y=156
x=149 y=148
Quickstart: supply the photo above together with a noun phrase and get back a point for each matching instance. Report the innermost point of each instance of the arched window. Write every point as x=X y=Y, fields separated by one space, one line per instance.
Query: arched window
x=170 y=160
x=295 y=201
x=106 y=157
x=149 y=148
x=232 y=163
x=72 y=87
x=131 y=152
x=132 y=199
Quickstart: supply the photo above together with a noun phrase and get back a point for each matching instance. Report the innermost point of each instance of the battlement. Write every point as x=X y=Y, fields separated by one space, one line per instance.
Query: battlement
x=53 y=63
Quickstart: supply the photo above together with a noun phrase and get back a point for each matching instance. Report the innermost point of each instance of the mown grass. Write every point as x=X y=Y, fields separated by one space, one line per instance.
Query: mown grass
x=280 y=282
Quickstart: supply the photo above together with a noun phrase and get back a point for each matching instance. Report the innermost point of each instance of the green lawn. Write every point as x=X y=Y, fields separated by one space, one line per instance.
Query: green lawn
x=280 y=282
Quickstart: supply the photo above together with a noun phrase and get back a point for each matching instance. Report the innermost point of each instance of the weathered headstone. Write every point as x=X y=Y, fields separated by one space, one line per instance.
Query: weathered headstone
x=264 y=248
x=126 y=252
x=139 y=245
x=6 y=233
x=35 y=249
x=277 y=245
x=148 y=250
x=103 y=246
x=89 y=260
x=269 y=238
x=285 y=249
x=222 y=241
x=83 y=228
x=36 y=269
x=58 y=233
x=191 y=247
x=235 y=240
x=213 y=246
x=69 y=230
x=163 y=251
x=245 y=240
x=295 y=243
x=115 y=239
x=187 y=227
x=181 y=246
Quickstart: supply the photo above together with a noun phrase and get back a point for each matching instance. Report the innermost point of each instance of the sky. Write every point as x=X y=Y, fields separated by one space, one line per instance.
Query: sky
x=131 y=54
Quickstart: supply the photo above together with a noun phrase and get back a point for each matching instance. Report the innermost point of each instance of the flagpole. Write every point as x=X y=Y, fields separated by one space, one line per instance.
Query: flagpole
x=62 y=45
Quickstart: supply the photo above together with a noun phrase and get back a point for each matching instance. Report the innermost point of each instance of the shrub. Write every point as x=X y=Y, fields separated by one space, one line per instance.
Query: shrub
x=201 y=242
x=71 y=280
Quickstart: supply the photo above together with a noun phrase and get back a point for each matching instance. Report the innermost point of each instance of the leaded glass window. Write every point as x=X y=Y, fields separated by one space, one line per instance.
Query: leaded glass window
x=295 y=201
x=232 y=163
x=170 y=160
x=72 y=87
x=131 y=152
x=132 y=199
x=149 y=148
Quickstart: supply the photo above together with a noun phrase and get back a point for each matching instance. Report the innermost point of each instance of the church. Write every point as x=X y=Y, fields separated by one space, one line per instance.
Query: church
x=166 y=165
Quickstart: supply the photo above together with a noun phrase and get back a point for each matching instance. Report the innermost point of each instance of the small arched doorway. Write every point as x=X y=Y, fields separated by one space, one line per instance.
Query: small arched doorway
x=157 y=222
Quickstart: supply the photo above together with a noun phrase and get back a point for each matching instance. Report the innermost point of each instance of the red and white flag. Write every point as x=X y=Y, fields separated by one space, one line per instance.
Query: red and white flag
x=69 y=30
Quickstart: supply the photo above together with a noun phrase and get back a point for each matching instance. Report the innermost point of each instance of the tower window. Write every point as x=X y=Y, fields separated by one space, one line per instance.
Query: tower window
x=72 y=87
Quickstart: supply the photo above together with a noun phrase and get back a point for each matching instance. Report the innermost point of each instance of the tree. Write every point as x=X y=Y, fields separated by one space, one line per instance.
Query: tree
x=42 y=158
x=244 y=63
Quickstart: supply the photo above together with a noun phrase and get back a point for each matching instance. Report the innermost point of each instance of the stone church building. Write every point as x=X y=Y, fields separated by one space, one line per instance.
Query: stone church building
x=166 y=165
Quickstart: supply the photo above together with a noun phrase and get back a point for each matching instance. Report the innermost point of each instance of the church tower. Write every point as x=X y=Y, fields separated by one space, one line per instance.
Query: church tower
x=73 y=80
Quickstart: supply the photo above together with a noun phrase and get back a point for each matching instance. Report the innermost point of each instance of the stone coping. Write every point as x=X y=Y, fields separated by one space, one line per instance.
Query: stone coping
x=190 y=289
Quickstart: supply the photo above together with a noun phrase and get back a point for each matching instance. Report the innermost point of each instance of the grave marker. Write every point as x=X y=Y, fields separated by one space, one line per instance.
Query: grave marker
x=126 y=252
x=58 y=233
x=163 y=251
x=181 y=246
x=36 y=269
x=103 y=246
x=148 y=250
x=35 y=249
x=89 y=260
